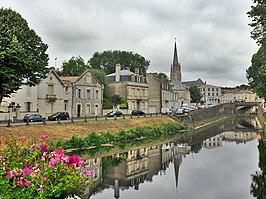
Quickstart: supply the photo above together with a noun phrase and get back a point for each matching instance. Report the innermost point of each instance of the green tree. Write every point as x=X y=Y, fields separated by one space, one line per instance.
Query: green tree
x=23 y=57
x=195 y=94
x=107 y=60
x=162 y=76
x=258 y=15
x=256 y=73
x=73 y=67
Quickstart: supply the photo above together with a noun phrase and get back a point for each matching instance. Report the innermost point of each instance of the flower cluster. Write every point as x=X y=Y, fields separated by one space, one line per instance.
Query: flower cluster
x=28 y=170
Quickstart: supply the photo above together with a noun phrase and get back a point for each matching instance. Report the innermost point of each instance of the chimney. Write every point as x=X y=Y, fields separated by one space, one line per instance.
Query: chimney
x=117 y=72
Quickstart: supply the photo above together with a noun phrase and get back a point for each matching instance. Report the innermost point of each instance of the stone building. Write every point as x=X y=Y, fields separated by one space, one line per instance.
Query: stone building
x=83 y=95
x=238 y=95
x=132 y=87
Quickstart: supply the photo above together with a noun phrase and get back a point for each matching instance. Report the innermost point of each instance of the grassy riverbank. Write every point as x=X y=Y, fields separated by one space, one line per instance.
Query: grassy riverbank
x=65 y=131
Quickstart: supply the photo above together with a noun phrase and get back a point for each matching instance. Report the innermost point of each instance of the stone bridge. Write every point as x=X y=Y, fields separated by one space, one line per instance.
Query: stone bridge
x=227 y=109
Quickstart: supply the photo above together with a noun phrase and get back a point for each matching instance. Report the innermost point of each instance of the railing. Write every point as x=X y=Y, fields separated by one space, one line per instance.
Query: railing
x=51 y=97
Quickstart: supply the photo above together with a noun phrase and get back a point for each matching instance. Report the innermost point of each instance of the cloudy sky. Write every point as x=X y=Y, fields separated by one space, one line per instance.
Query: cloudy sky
x=213 y=36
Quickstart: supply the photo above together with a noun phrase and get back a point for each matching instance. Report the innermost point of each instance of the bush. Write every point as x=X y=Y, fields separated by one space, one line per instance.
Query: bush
x=30 y=170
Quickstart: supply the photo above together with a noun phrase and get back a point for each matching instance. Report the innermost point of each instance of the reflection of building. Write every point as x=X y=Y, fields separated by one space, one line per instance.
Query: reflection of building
x=94 y=164
x=142 y=164
x=130 y=172
x=239 y=137
x=213 y=142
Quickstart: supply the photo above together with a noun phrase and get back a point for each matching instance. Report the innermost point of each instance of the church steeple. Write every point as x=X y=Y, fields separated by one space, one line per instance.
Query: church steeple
x=175 y=74
x=175 y=60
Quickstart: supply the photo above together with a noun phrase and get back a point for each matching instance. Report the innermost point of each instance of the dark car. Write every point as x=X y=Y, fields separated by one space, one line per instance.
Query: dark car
x=137 y=112
x=33 y=118
x=61 y=115
x=114 y=113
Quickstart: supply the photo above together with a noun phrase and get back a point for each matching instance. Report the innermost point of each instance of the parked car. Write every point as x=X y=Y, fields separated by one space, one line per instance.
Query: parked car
x=137 y=112
x=114 y=113
x=33 y=118
x=180 y=111
x=61 y=115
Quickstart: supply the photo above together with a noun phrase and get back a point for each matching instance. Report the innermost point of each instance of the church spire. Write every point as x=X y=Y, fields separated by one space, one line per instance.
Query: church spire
x=175 y=60
x=175 y=73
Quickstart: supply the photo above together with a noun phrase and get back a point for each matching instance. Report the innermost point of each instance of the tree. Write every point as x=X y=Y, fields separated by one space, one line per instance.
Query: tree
x=256 y=73
x=107 y=60
x=195 y=94
x=258 y=15
x=23 y=57
x=73 y=67
x=162 y=76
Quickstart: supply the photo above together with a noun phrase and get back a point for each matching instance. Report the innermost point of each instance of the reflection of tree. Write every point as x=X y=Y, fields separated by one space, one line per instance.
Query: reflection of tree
x=258 y=185
x=196 y=147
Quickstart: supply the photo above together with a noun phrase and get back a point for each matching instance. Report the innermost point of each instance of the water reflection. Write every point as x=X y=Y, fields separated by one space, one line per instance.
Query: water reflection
x=258 y=186
x=155 y=171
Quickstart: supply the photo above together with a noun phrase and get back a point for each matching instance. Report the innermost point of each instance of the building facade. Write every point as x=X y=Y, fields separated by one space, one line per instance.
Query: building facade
x=211 y=94
x=83 y=95
x=238 y=95
x=132 y=87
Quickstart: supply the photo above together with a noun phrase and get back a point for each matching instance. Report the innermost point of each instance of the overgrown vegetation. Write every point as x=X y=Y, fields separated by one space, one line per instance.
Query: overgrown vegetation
x=93 y=140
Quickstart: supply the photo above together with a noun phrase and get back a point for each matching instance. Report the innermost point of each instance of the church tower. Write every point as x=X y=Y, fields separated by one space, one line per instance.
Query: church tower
x=175 y=73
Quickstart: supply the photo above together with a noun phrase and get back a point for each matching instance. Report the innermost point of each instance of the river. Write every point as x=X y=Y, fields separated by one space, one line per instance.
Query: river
x=214 y=163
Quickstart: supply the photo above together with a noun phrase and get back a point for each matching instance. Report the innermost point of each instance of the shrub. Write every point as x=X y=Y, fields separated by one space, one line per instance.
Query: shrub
x=30 y=170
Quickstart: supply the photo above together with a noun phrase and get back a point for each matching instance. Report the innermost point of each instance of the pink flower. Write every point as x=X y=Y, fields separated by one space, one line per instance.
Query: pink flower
x=31 y=147
x=44 y=156
x=89 y=172
x=26 y=171
x=52 y=163
x=20 y=182
x=27 y=183
x=72 y=160
x=44 y=179
x=44 y=138
x=43 y=147
x=41 y=188
x=81 y=163
x=8 y=175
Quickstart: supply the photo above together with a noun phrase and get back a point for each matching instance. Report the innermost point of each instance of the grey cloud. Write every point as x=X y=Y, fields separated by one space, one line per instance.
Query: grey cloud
x=212 y=36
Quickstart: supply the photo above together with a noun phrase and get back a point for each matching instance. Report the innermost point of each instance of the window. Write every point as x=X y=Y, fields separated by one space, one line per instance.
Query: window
x=50 y=89
x=88 y=94
x=79 y=93
x=208 y=94
x=65 y=104
x=217 y=89
x=212 y=94
x=212 y=89
x=97 y=94
x=28 y=91
x=28 y=106
x=208 y=89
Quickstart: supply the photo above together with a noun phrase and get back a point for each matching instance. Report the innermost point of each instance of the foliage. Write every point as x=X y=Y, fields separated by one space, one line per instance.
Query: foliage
x=258 y=15
x=123 y=136
x=107 y=60
x=73 y=67
x=124 y=105
x=23 y=57
x=33 y=170
x=258 y=185
x=195 y=94
x=162 y=76
x=256 y=73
